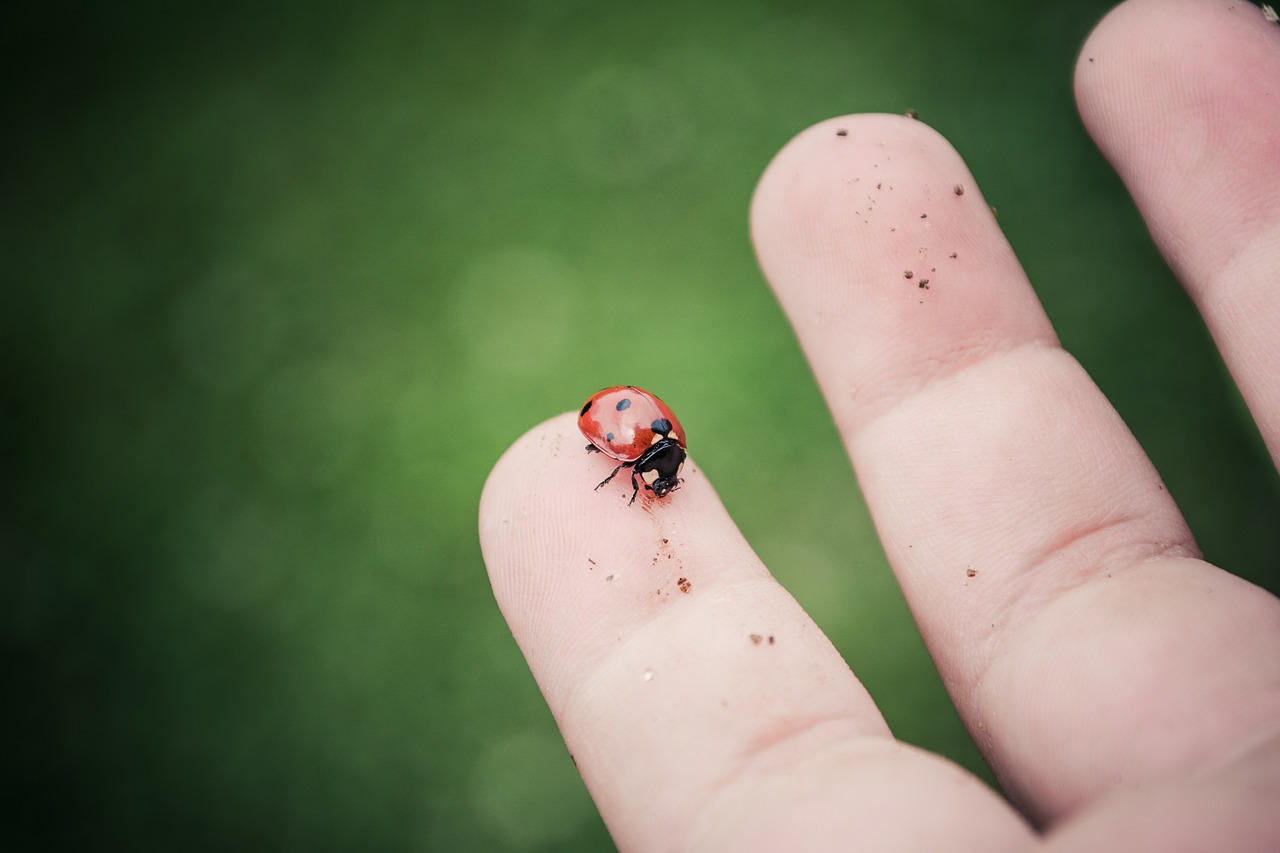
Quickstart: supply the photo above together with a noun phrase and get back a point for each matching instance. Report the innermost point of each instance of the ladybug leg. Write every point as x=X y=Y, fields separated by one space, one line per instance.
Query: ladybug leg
x=591 y=448
x=615 y=471
x=635 y=488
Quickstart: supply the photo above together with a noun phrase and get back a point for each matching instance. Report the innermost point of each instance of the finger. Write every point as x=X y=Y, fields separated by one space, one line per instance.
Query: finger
x=703 y=708
x=1052 y=577
x=1183 y=98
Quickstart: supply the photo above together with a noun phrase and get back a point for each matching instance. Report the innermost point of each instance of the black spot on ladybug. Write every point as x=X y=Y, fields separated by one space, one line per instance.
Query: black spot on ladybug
x=608 y=436
x=586 y=408
x=623 y=404
x=661 y=426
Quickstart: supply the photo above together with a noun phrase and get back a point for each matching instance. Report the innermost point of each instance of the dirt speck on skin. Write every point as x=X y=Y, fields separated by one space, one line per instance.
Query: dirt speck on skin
x=756 y=639
x=959 y=189
x=907 y=273
x=924 y=283
x=912 y=114
x=953 y=255
x=971 y=573
x=842 y=132
x=664 y=549
x=684 y=585
x=771 y=639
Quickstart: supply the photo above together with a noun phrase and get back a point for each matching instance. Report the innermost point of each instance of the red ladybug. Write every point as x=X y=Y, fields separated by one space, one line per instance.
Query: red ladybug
x=635 y=427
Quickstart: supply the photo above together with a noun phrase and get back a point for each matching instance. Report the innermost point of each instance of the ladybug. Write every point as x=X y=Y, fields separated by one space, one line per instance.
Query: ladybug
x=639 y=430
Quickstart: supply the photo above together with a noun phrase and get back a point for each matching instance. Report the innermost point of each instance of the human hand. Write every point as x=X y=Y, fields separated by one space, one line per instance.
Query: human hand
x=1126 y=693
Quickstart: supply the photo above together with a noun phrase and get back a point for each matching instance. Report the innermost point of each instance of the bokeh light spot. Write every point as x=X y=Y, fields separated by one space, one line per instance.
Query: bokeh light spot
x=516 y=309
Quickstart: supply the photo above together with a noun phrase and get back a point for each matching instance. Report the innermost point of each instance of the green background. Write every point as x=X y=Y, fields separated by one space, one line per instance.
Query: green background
x=282 y=282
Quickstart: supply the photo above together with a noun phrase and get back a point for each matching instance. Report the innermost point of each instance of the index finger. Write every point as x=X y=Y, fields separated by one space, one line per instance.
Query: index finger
x=704 y=709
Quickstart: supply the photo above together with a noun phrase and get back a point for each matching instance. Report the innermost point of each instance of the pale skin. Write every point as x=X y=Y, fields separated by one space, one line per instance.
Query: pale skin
x=1126 y=693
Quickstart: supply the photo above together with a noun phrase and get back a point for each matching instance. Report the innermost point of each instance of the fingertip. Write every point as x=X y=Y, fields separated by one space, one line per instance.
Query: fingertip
x=573 y=567
x=830 y=141
x=1136 y=33
x=1171 y=90
x=857 y=191
x=1180 y=97
x=887 y=260
x=521 y=474
x=539 y=519
x=546 y=490
x=511 y=492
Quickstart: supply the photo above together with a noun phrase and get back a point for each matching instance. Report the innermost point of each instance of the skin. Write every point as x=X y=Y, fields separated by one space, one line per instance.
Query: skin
x=1126 y=693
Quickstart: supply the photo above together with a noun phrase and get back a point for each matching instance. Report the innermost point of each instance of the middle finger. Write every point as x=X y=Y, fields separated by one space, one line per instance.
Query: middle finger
x=1005 y=488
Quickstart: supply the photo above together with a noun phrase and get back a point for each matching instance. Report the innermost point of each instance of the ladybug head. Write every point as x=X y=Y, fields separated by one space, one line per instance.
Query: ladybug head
x=664 y=486
x=659 y=467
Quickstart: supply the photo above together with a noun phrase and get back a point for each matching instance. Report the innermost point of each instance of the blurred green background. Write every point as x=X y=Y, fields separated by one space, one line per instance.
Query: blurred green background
x=283 y=282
